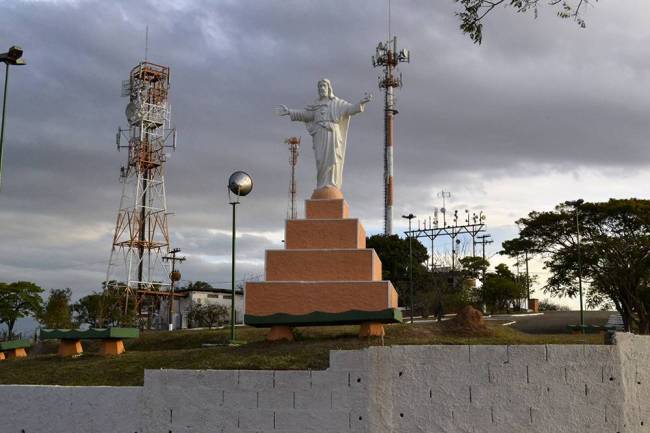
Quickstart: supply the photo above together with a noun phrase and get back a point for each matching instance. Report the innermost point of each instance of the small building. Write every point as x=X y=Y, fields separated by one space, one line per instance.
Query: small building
x=184 y=298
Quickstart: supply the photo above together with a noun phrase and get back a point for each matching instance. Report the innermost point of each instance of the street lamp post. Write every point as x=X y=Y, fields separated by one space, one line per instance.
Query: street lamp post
x=410 y=217
x=239 y=185
x=11 y=57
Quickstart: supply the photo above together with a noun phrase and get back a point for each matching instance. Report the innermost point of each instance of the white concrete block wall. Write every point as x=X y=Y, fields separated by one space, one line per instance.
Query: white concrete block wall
x=504 y=389
x=61 y=409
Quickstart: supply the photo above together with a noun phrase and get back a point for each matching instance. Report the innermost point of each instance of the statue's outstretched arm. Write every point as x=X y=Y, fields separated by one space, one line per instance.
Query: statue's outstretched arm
x=295 y=115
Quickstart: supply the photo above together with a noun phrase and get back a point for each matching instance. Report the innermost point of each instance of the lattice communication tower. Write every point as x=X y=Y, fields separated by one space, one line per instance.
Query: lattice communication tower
x=294 y=150
x=388 y=57
x=141 y=238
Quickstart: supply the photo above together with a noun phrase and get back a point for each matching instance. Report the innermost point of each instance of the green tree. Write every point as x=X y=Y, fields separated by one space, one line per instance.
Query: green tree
x=393 y=252
x=473 y=266
x=614 y=253
x=473 y=12
x=207 y=315
x=500 y=289
x=19 y=299
x=57 y=312
x=90 y=310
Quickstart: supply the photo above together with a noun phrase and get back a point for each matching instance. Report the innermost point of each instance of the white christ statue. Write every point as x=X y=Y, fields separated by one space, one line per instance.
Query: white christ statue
x=327 y=121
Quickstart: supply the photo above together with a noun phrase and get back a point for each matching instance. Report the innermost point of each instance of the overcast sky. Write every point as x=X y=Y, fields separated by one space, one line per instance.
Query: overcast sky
x=542 y=112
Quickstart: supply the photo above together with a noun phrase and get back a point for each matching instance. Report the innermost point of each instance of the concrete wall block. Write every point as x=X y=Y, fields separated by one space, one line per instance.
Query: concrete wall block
x=313 y=420
x=256 y=420
x=430 y=355
x=255 y=379
x=292 y=379
x=599 y=393
x=512 y=413
x=478 y=374
x=525 y=394
x=600 y=354
x=509 y=374
x=194 y=418
x=446 y=392
x=330 y=379
x=348 y=359
x=563 y=353
x=237 y=399
x=526 y=354
x=315 y=399
x=547 y=374
x=469 y=417
x=276 y=399
x=343 y=399
x=480 y=354
x=579 y=373
x=562 y=395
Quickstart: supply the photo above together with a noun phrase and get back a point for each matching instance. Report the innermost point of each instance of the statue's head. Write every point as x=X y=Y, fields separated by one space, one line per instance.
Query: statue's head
x=325 y=89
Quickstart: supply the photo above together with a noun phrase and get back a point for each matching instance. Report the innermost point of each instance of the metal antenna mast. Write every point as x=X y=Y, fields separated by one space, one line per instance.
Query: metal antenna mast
x=141 y=236
x=388 y=57
x=444 y=195
x=294 y=149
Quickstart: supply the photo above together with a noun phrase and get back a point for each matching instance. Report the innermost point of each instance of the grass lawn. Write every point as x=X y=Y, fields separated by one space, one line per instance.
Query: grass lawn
x=183 y=350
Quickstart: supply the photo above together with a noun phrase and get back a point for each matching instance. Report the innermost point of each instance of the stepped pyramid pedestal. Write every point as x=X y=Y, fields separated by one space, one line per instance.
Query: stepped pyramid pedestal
x=324 y=276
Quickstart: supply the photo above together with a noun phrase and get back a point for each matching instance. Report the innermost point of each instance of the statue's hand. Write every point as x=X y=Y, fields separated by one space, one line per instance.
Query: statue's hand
x=282 y=110
x=367 y=97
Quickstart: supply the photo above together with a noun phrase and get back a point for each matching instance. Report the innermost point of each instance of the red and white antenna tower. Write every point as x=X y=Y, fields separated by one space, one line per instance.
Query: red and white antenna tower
x=294 y=150
x=141 y=238
x=388 y=57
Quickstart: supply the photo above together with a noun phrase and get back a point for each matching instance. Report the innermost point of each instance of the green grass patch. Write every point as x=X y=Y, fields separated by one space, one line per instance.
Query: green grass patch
x=183 y=350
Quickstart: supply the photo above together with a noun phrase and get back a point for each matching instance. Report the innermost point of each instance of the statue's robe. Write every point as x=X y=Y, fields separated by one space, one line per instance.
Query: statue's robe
x=327 y=122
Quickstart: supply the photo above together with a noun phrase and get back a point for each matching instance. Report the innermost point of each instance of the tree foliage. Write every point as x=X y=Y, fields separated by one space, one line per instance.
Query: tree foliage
x=393 y=252
x=614 y=253
x=473 y=12
x=90 y=310
x=207 y=315
x=501 y=289
x=19 y=299
x=57 y=312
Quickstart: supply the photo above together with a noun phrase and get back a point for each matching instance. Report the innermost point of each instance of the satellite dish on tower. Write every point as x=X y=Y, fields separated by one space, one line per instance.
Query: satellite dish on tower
x=132 y=113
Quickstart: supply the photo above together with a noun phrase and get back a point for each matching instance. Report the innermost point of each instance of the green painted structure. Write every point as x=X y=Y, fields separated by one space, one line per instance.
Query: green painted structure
x=15 y=344
x=89 y=334
x=319 y=318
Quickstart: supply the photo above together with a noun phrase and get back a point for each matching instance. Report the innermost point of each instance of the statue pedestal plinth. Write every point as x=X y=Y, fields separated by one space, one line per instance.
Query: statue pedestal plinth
x=324 y=276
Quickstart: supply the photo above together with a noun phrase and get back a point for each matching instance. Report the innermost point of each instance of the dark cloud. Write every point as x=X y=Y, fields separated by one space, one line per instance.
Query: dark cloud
x=540 y=97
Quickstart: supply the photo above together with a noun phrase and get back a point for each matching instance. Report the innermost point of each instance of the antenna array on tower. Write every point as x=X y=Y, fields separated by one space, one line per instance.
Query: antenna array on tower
x=388 y=57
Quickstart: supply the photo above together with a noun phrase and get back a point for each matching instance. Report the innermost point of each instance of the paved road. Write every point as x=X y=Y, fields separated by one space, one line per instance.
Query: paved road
x=555 y=322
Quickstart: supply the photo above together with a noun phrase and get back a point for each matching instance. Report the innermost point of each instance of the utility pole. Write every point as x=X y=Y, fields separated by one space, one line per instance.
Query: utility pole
x=483 y=240
x=387 y=57
x=174 y=276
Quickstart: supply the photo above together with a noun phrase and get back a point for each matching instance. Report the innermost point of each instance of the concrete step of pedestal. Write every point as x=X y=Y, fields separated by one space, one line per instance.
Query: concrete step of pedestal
x=326 y=208
x=264 y=298
x=324 y=233
x=323 y=265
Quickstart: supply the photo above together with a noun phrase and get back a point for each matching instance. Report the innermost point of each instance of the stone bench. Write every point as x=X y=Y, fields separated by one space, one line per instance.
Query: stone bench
x=14 y=349
x=70 y=339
